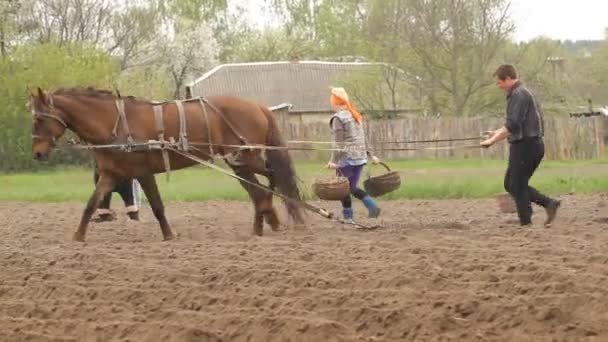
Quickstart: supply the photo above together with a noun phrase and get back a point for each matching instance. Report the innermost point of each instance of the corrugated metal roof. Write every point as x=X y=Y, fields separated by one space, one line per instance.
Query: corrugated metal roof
x=304 y=84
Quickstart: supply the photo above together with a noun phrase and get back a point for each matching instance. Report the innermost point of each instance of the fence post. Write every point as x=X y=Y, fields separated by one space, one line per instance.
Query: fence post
x=599 y=136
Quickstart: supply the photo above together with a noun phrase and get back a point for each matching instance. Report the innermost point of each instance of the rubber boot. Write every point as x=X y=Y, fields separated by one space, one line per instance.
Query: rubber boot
x=372 y=207
x=347 y=213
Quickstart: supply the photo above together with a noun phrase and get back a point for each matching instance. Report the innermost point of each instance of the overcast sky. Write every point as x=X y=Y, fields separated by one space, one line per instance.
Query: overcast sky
x=558 y=19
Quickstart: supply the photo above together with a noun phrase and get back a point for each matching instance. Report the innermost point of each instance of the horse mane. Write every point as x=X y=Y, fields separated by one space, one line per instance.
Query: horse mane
x=94 y=93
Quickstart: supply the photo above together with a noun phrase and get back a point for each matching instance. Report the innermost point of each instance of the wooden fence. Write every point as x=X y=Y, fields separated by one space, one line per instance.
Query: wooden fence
x=565 y=137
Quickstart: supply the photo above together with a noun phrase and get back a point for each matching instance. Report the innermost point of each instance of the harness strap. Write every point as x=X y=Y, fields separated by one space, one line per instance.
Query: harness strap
x=120 y=106
x=160 y=130
x=207 y=123
x=158 y=121
x=183 y=134
x=234 y=130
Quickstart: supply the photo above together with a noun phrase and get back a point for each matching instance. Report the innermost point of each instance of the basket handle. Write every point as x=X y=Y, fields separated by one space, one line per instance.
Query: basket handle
x=324 y=169
x=381 y=163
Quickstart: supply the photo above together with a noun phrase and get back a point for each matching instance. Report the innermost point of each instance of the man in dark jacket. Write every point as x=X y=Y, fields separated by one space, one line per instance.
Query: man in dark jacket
x=524 y=129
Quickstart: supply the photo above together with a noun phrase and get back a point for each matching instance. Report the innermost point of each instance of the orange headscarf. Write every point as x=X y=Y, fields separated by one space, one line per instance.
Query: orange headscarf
x=339 y=97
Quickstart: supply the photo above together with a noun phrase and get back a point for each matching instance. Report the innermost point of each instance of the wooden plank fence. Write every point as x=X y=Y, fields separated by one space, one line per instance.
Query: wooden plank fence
x=565 y=137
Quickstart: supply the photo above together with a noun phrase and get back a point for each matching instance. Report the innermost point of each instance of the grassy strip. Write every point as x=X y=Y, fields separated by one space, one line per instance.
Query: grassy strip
x=421 y=179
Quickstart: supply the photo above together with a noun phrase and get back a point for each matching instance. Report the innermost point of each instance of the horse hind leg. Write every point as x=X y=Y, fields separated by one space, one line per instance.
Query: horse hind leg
x=150 y=188
x=256 y=194
x=269 y=211
x=271 y=217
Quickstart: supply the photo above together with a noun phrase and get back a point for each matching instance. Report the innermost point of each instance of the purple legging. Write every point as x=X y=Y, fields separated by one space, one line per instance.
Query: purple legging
x=353 y=173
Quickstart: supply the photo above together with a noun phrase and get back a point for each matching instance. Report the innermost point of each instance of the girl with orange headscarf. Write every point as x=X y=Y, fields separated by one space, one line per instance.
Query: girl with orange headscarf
x=349 y=138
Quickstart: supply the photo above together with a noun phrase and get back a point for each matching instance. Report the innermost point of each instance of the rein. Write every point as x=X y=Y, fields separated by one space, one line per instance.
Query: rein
x=154 y=144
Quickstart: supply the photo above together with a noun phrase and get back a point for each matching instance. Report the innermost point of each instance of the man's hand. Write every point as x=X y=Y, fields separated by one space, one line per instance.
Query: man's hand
x=488 y=142
x=332 y=165
x=488 y=134
x=375 y=160
x=497 y=135
x=487 y=138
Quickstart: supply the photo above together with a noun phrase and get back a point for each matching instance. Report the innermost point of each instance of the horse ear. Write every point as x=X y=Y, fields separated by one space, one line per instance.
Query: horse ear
x=42 y=96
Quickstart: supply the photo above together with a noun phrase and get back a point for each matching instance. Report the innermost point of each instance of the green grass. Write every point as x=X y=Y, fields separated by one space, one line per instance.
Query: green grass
x=476 y=178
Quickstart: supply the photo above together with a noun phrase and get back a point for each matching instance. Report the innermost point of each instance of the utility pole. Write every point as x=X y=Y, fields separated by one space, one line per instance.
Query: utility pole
x=556 y=63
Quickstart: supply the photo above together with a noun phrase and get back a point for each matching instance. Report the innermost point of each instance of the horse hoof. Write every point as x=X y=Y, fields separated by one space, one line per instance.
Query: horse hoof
x=78 y=237
x=169 y=237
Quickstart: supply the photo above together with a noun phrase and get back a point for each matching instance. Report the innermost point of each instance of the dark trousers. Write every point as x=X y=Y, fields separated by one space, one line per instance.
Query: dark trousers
x=124 y=188
x=524 y=158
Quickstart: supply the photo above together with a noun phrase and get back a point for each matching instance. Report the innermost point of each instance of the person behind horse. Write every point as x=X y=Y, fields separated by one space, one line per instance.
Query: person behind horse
x=347 y=127
x=129 y=191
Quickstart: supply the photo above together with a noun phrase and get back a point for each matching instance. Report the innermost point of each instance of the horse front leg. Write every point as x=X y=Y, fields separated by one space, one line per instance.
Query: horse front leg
x=148 y=184
x=104 y=185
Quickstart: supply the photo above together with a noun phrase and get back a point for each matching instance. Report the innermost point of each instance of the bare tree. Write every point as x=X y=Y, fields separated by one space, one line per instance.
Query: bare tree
x=300 y=16
x=450 y=44
x=121 y=30
x=130 y=34
x=8 y=14
x=189 y=51
x=64 y=21
x=380 y=87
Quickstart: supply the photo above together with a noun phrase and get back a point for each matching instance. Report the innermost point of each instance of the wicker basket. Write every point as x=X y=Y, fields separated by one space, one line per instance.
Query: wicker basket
x=331 y=188
x=383 y=184
x=506 y=203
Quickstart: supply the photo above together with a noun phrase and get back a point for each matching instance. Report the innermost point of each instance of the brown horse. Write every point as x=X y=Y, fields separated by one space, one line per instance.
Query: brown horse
x=202 y=127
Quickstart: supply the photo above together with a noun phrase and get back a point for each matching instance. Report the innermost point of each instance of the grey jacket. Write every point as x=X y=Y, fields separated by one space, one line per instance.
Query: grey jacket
x=349 y=135
x=524 y=116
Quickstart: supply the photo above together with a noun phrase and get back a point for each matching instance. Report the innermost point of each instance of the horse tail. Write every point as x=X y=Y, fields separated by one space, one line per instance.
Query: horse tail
x=281 y=164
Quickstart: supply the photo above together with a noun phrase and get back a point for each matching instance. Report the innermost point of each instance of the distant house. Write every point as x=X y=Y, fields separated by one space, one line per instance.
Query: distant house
x=304 y=85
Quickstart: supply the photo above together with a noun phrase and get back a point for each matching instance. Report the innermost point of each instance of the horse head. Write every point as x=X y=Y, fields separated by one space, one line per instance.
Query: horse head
x=48 y=124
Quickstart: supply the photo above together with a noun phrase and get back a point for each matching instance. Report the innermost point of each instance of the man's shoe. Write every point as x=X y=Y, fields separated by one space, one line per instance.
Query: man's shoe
x=551 y=210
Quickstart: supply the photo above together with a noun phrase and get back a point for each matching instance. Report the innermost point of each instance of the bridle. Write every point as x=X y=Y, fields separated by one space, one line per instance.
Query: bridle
x=38 y=114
